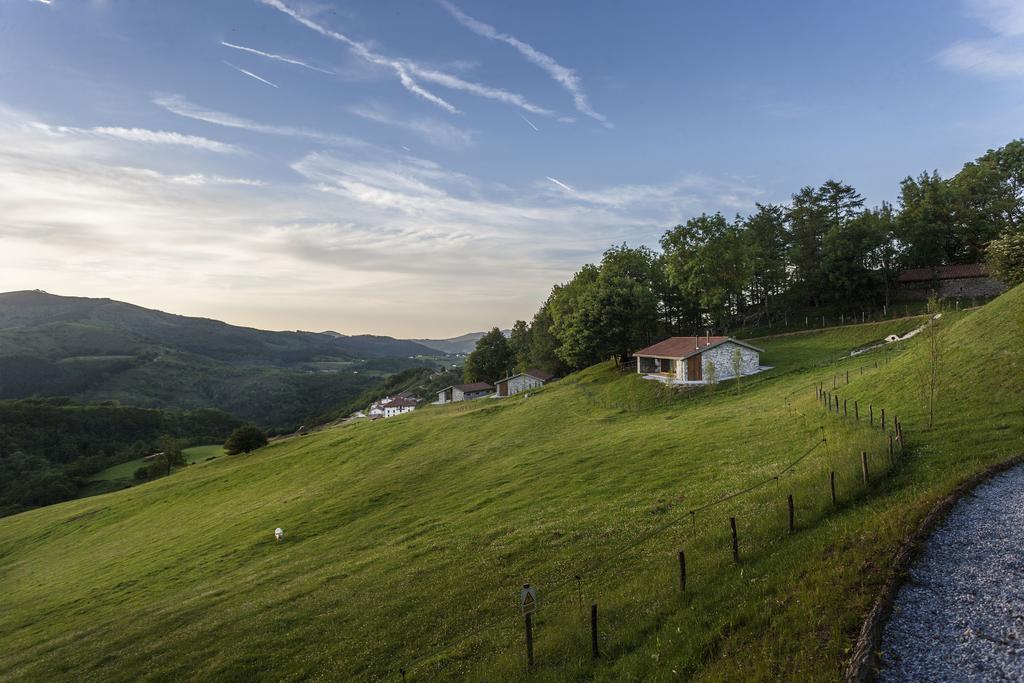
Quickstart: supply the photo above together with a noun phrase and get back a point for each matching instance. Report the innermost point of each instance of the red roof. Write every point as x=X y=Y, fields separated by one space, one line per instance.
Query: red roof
x=681 y=347
x=401 y=403
x=965 y=270
x=539 y=374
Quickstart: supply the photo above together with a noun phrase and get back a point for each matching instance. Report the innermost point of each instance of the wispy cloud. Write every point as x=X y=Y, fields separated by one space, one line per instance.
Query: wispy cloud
x=407 y=69
x=250 y=74
x=1001 y=56
x=435 y=132
x=142 y=135
x=271 y=55
x=176 y=104
x=564 y=76
x=44 y=2
x=363 y=51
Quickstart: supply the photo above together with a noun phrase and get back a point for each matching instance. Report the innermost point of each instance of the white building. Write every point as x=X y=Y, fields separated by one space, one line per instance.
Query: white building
x=398 y=406
x=524 y=381
x=698 y=360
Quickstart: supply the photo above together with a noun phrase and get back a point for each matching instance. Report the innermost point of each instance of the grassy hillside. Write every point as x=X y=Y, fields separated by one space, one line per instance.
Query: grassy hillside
x=98 y=349
x=407 y=539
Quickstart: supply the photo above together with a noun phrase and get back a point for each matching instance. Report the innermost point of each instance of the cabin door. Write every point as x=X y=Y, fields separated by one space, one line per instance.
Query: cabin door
x=694 y=369
x=503 y=389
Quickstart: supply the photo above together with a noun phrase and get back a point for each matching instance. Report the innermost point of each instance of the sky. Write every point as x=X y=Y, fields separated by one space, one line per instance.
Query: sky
x=429 y=168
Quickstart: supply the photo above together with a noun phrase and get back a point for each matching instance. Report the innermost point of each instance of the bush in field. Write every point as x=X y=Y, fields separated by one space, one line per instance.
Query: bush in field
x=245 y=439
x=1006 y=258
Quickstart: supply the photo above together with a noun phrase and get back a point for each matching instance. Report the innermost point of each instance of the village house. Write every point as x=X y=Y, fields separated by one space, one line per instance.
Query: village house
x=964 y=281
x=464 y=392
x=696 y=360
x=398 y=406
x=523 y=381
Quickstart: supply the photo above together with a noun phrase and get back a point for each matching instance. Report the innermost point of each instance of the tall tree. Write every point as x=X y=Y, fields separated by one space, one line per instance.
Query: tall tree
x=766 y=241
x=491 y=360
x=926 y=222
x=520 y=345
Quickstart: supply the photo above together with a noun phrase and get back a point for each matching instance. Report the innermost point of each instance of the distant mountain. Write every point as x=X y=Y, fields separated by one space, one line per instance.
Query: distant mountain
x=99 y=349
x=461 y=344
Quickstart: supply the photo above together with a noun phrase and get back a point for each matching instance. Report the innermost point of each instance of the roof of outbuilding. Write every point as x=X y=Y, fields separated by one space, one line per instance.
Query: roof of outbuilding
x=682 y=347
x=532 y=372
x=472 y=386
x=963 y=270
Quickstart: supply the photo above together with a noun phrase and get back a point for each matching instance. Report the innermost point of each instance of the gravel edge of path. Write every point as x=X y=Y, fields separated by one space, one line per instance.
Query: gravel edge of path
x=864 y=661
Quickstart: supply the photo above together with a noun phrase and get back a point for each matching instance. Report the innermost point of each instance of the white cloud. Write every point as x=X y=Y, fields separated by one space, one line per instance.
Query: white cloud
x=250 y=74
x=406 y=69
x=435 y=132
x=564 y=76
x=364 y=240
x=142 y=135
x=276 y=57
x=176 y=104
x=1001 y=56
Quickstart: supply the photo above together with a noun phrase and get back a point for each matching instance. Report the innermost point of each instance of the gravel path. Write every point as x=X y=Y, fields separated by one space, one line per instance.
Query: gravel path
x=960 y=617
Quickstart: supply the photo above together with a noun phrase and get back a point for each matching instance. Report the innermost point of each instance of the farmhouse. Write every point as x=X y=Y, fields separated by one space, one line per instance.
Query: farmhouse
x=531 y=379
x=398 y=406
x=948 y=282
x=464 y=392
x=696 y=360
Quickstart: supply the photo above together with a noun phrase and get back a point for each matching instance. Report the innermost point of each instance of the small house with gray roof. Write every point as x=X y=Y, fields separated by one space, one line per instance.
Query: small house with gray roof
x=696 y=360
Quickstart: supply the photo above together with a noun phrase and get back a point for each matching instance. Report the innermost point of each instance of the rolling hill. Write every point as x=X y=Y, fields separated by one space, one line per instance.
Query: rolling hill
x=462 y=344
x=99 y=349
x=406 y=541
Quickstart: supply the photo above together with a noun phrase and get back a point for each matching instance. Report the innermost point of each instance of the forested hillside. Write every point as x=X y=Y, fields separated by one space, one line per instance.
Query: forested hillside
x=98 y=349
x=48 y=447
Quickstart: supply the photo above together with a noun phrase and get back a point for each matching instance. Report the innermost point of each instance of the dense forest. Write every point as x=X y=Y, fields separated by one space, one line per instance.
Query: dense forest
x=48 y=447
x=824 y=250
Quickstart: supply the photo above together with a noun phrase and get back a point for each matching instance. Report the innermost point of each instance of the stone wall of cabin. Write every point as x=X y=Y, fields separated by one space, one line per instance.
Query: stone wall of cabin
x=522 y=383
x=722 y=357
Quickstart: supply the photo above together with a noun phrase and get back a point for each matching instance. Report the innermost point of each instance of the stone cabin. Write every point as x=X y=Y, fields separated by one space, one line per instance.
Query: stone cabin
x=965 y=281
x=464 y=392
x=524 y=381
x=688 y=360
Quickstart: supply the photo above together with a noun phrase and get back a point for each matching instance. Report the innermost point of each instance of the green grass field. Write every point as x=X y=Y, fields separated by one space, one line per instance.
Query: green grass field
x=122 y=475
x=407 y=539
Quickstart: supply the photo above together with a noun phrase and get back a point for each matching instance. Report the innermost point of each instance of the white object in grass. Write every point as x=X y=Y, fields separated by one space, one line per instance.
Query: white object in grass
x=279 y=534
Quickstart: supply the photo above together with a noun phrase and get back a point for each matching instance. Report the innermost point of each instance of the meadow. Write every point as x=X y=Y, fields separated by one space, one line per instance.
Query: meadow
x=406 y=540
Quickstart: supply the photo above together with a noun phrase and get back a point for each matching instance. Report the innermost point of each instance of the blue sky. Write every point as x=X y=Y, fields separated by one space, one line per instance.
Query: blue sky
x=430 y=168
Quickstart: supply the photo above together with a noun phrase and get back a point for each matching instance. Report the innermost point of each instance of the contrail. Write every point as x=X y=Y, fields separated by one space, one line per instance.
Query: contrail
x=562 y=185
x=529 y=123
x=249 y=74
x=271 y=55
x=561 y=74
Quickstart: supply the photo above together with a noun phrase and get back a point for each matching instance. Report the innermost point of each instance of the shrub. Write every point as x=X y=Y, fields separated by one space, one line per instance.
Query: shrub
x=245 y=439
x=1006 y=258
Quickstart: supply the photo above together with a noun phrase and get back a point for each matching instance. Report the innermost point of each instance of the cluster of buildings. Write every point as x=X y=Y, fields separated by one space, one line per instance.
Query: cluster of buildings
x=509 y=386
x=390 y=406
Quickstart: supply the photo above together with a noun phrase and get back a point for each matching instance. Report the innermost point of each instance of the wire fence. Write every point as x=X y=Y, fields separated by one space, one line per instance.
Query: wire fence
x=886 y=440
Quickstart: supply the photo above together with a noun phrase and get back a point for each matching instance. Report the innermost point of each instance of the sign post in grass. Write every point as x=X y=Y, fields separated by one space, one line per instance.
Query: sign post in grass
x=735 y=541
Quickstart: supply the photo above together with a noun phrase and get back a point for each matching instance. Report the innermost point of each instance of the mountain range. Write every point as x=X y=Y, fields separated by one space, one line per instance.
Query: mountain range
x=100 y=349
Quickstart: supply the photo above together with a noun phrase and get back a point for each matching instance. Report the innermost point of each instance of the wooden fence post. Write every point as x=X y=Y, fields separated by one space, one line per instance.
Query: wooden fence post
x=682 y=571
x=847 y=376
x=593 y=631
x=735 y=541
x=892 y=458
x=789 y=503
x=871 y=417
x=529 y=639
x=883 y=419
x=832 y=485
x=856 y=411
x=864 y=465
x=845 y=413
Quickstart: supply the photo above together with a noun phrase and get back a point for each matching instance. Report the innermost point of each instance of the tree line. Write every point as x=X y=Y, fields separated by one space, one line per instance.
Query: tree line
x=50 y=447
x=824 y=250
